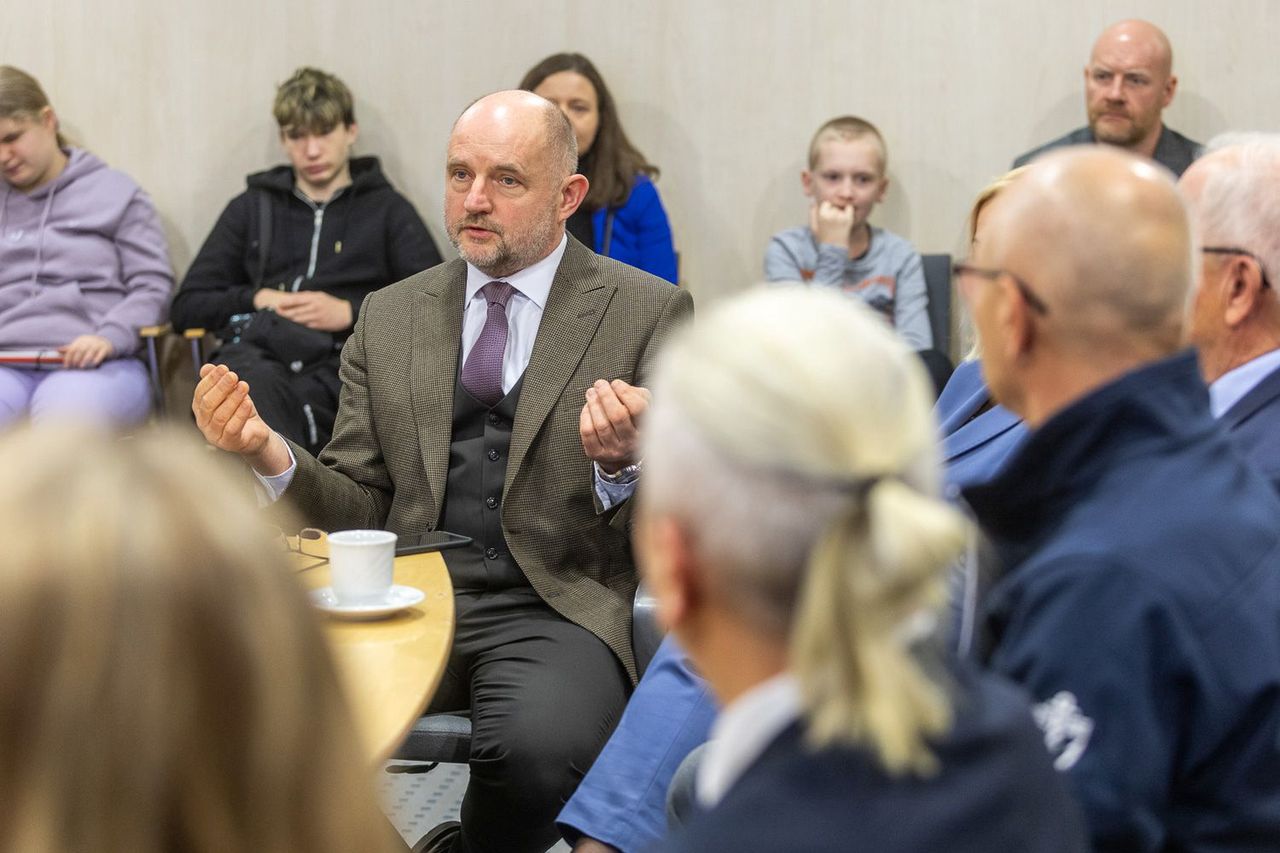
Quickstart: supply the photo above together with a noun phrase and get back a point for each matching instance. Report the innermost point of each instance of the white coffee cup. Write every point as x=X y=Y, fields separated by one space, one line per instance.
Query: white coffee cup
x=360 y=565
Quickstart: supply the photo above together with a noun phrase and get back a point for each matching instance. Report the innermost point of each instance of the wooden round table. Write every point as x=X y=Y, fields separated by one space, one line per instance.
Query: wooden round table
x=391 y=667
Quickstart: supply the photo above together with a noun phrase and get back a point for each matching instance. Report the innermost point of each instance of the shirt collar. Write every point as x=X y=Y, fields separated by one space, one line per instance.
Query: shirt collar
x=1231 y=387
x=534 y=282
x=742 y=732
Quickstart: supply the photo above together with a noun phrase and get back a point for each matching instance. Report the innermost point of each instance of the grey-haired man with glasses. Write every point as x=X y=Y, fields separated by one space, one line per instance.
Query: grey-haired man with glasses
x=1234 y=314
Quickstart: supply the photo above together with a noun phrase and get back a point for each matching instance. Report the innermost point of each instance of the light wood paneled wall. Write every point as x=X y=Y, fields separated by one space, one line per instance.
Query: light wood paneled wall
x=722 y=94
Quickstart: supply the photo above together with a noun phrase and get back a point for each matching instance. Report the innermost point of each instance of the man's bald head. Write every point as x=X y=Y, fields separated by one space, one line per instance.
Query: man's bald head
x=510 y=182
x=1106 y=240
x=1128 y=82
x=1140 y=39
x=530 y=116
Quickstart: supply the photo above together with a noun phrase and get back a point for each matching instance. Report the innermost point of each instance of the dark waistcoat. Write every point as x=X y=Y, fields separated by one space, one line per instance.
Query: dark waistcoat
x=478 y=455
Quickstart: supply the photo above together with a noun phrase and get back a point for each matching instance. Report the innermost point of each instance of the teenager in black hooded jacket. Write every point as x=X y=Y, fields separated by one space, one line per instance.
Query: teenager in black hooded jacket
x=281 y=277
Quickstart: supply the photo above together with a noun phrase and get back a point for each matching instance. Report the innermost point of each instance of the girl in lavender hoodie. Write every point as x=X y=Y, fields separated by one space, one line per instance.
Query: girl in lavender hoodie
x=83 y=266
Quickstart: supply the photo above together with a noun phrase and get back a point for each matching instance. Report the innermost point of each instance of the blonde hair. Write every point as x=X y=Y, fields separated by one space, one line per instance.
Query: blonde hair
x=313 y=101
x=22 y=98
x=163 y=683
x=985 y=196
x=792 y=435
x=847 y=129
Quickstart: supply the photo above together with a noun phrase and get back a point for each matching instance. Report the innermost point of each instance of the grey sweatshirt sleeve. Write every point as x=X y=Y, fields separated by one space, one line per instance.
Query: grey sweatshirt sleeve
x=780 y=262
x=910 y=305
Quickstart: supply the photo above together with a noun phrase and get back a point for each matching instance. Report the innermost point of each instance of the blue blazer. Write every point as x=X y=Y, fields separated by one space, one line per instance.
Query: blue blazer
x=973 y=451
x=1254 y=424
x=637 y=233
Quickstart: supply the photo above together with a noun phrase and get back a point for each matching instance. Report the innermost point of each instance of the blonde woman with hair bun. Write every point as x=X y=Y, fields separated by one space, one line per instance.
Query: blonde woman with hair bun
x=164 y=686
x=793 y=531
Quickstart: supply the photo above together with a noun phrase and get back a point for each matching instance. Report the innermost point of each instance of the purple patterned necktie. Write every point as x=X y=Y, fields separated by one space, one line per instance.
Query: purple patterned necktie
x=482 y=373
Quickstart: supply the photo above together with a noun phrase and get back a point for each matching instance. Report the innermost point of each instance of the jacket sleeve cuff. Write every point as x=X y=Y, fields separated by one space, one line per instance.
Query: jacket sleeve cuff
x=124 y=341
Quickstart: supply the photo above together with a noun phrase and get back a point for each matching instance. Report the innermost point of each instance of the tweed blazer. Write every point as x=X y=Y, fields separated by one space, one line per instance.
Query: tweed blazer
x=388 y=461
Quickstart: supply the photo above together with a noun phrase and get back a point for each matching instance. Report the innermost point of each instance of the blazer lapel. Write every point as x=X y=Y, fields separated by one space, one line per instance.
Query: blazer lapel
x=575 y=306
x=433 y=369
x=1248 y=405
x=951 y=421
x=978 y=431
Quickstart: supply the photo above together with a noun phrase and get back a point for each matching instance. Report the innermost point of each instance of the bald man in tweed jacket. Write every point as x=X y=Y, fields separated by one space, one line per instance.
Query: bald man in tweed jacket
x=529 y=449
x=388 y=461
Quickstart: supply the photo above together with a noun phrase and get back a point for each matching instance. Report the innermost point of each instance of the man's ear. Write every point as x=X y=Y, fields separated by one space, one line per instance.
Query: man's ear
x=572 y=192
x=1016 y=318
x=353 y=131
x=672 y=570
x=1241 y=291
x=1170 y=89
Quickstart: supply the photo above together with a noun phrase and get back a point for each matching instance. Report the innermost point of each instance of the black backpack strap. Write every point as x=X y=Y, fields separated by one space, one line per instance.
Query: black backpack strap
x=264 y=236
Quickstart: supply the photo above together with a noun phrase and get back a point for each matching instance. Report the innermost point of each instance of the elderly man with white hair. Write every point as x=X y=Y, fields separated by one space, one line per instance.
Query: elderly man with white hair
x=1140 y=596
x=1234 y=192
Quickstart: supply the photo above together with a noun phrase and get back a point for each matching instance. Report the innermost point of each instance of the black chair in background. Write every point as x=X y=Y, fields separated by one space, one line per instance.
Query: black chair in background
x=937 y=283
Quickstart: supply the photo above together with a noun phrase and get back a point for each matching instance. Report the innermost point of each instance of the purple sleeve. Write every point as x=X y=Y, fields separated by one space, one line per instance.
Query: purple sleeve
x=145 y=272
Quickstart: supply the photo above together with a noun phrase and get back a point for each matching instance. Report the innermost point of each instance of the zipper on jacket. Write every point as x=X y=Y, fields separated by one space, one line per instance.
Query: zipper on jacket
x=315 y=241
x=318 y=220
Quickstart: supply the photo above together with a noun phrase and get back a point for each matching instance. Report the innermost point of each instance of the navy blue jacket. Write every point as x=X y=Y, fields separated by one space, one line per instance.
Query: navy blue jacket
x=1141 y=608
x=995 y=792
x=1254 y=423
x=638 y=232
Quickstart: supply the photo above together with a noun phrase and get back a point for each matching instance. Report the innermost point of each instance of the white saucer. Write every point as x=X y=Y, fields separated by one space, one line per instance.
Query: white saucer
x=398 y=598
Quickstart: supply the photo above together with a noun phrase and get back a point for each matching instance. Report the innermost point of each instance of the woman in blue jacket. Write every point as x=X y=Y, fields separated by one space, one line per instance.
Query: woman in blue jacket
x=622 y=216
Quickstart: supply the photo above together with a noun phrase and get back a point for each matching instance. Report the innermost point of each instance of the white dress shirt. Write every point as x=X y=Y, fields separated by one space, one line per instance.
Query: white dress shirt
x=524 y=315
x=742 y=732
x=524 y=312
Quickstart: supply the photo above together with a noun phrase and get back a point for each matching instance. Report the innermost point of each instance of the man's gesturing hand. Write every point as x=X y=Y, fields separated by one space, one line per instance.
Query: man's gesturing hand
x=608 y=424
x=226 y=415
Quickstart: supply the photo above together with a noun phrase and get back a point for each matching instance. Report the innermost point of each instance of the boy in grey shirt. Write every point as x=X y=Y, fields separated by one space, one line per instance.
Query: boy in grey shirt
x=846 y=180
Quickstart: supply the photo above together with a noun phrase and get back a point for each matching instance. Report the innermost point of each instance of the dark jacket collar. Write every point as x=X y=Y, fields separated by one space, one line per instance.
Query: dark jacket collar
x=1156 y=407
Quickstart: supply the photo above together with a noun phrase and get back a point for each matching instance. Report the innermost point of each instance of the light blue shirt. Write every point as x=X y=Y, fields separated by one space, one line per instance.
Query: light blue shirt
x=1231 y=387
x=524 y=315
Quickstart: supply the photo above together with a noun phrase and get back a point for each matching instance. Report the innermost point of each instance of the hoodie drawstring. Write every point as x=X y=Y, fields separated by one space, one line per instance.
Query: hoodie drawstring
x=44 y=218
